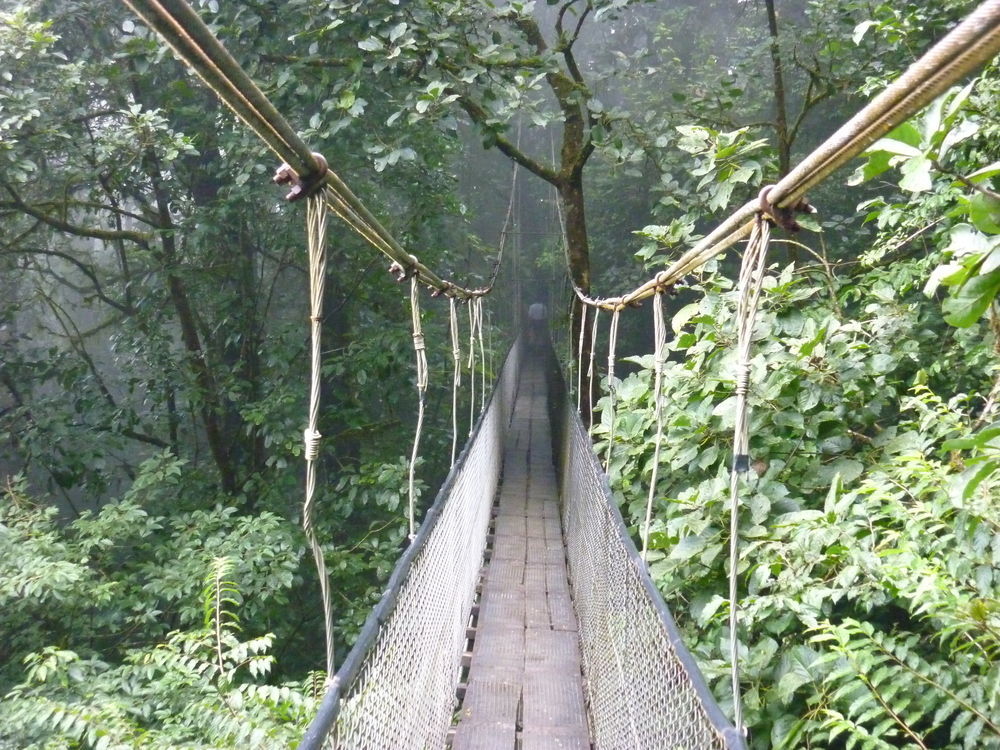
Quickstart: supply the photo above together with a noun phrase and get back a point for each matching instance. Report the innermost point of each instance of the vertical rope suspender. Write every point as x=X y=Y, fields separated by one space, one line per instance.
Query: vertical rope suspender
x=612 y=345
x=456 y=374
x=750 y=284
x=579 y=353
x=472 y=367
x=659 y=354
x=590 y=369
x=316 y=237
x=420 y=351
x=478 y=304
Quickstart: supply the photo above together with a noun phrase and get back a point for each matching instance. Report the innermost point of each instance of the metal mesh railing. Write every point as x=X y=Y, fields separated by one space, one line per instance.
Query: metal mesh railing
x=396 y=688
x=644 y=689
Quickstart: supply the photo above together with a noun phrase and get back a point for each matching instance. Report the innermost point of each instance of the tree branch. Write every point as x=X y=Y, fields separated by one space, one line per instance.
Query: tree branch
x=140 y=238
x=83 y=268
x=481 y=117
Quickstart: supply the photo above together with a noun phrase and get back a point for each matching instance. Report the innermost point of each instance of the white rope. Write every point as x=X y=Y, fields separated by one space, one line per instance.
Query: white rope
x=478 y=303
x=590 y=369
x=472 y=367
x=456 y=374
x=420 y=350
x=579 y=351
x=750 y=285
x=612 y=345
x=659 y=354
x=316 y=237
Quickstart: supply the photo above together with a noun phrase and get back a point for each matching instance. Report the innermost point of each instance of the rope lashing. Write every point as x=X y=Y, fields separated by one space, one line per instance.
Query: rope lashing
x=749 y=290
x=612 y=390
x=456 y=375
x=659 y=357
x=590 y=369
x=420 y=351
x=316 y=236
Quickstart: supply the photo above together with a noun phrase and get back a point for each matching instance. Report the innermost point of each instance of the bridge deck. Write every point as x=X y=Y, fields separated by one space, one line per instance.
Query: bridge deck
x=525 y=688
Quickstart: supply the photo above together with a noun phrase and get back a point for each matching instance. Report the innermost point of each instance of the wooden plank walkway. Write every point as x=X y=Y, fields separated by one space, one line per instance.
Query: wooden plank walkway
x=524 y=689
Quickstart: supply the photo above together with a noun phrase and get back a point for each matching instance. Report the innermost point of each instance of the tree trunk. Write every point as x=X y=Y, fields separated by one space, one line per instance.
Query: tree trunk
x=780 y=108
x=571 y=203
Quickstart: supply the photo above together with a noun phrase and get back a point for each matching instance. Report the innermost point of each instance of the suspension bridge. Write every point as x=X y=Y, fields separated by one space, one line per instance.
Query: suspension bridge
x=521 y=615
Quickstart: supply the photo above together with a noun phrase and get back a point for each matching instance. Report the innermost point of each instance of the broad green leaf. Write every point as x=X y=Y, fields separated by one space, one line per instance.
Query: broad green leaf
x=892 y=146
x=982 y=173
x=970 y=301
x=371 y=44
x=984 y=212
x=916 y=174
x=861 y=29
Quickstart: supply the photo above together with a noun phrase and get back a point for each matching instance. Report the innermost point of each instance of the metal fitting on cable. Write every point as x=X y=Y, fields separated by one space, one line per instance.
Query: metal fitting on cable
x=310 y=440
x=302 y=185
x=742 y=378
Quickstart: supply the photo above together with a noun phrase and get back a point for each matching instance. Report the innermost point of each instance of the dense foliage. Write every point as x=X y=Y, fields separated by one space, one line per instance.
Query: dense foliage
x=154 y=586
x=868 y=536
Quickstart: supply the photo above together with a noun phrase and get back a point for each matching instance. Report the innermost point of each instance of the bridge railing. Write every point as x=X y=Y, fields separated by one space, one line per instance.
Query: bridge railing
x=644 y=689
x=396 y=688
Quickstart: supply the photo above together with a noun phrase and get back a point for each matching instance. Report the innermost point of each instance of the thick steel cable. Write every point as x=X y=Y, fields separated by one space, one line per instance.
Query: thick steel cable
x=316 y=235
x=659 y=356
x=456 y=374
x=750 y=285
x=969 y=45
x=420 y=353
x=612 y=388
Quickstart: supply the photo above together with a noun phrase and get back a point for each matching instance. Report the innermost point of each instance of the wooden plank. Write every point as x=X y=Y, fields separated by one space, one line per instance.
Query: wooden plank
x=525 y=688
x=553 y=698
x=484 y=735
x=548 y=738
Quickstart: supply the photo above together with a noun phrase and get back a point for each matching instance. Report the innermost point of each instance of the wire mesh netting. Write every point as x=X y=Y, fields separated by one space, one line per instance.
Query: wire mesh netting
x=396 y=689
x=643 y=687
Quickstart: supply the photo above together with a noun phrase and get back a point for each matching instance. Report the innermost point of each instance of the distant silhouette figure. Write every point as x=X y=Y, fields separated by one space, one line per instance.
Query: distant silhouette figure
x=538 y=325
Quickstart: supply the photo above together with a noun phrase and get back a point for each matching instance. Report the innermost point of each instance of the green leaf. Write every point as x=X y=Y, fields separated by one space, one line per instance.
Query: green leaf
x=908 y=133
x=892 y=146
x=984 y=212
x=981 y=174
x=916 y=175
x=861 y=29
x=965 y=306
x=371 y=44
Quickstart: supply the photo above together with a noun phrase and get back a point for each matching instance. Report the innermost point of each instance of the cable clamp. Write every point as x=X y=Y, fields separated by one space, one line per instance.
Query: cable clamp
x=402 y=274
x=302 y=185
x=783 y=217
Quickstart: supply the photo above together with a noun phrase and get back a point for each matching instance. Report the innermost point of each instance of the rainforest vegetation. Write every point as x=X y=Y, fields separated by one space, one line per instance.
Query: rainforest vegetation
x=155 y=587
